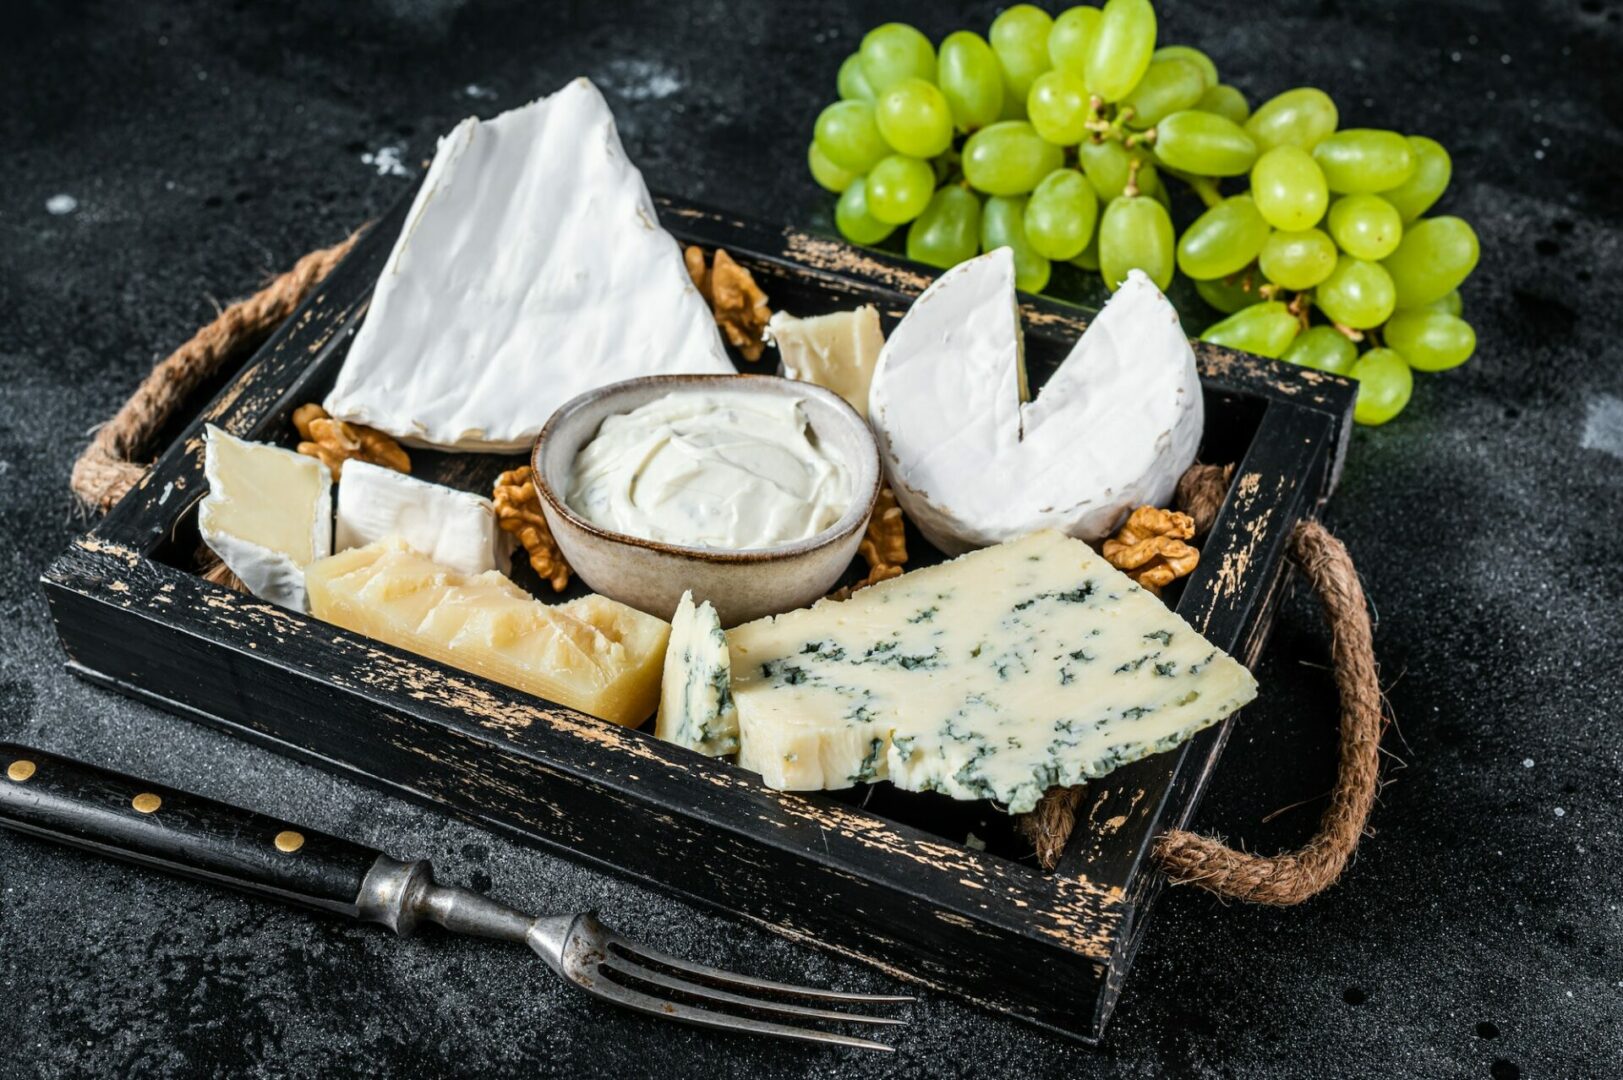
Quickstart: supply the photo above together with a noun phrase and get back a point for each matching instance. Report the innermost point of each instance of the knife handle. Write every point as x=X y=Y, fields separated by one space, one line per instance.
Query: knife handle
x=120 y=816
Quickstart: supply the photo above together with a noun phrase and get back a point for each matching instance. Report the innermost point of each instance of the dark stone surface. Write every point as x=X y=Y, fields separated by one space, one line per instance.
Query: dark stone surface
x=1480 y=931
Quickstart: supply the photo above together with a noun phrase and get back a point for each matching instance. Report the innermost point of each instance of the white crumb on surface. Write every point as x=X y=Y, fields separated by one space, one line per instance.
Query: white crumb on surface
x=387 y=161
x=1527 y=763
x=643 y=80
x=478 y=93
x=1560 y=811
x=61 y=204
x=1603 y=426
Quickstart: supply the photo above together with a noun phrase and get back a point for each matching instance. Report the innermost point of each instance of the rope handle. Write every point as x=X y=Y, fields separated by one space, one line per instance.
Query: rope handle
x=108 y=468
x=1190 y=859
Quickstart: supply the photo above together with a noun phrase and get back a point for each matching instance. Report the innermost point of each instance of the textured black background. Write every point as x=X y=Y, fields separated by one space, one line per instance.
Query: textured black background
x=1480 y=931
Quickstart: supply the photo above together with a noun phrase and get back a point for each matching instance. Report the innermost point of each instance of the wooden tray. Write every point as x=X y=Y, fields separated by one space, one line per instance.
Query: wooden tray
x=928 y=889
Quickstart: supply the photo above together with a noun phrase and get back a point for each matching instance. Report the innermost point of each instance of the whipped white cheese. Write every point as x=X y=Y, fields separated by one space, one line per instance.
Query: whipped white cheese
x=714 y=469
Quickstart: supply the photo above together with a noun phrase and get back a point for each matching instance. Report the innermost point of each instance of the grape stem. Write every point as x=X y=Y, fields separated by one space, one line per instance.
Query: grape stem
x=1347 y=332
x=1130 y=189
x=1206 y=188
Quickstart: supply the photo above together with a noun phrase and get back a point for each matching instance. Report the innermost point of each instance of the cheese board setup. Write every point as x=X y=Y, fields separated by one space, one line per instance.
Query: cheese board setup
x=885 y=605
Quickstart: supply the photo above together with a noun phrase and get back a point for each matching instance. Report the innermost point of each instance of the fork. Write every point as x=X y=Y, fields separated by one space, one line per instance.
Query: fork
x=122 y=817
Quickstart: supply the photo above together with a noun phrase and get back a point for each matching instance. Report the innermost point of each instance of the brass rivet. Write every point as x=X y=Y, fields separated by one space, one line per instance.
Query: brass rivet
x=289 y=841
x=146 y=802
x=20 y=770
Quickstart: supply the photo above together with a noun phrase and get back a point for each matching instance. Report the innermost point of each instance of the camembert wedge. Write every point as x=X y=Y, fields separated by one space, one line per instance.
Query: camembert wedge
x=995 y=676
x=267 y=515
x=593 y=654
x=456 y=529
x=696 y=700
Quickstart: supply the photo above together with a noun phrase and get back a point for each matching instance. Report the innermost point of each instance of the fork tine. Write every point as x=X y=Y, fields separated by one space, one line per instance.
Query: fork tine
x=609 y=990
x=639 y=952
x=710 y=995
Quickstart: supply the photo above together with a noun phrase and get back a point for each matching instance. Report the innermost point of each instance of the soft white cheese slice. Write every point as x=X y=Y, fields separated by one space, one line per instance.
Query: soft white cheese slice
x=454 y=528
x=837 y=351
x=974 y=463
x=267 y=515
x=531 y=268
x=995 y=676
x=696 y=700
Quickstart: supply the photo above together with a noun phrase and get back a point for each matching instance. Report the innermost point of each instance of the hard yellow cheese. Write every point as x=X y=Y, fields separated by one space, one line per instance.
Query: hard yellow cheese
x=593 y=654
x=997 y=675
x=837 y=352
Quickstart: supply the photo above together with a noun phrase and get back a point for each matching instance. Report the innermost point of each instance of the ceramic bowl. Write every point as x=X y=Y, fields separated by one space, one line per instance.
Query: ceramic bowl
x=742 y=585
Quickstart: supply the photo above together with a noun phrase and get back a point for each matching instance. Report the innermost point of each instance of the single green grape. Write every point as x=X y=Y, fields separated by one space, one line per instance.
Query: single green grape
x=1433 y=258
x=1058 y=108
x=893 y=52
x=1229 y=294
x=849 y=137
x=1089 y=259
x=971 y=80
x=1385 y=384
x=949 y=230
x=1135 y=234
x=1223 y=240
x=1266 y=329
x=1226 y=101
x=825 y=172
x=853 y=220
x=1297 y=260
x=1061 y=214
x=1322 y=348
x=1208 y=70
x=1068 y=40
x=1289 y=188
x=1003 y=225
x=1300 y=117
x=1204 y=144
x=1364 y=160
x=1357 y=293
x=1168 y=86
x=1109 y=165
x=1366 y=226
x=1450 y=305
x=852 y=83
x=1019 y=36
x=914 y=117
x=1009 y=158
x=1121 y=47
x=899 y=189
x=1432 y=170
x=1430 y=340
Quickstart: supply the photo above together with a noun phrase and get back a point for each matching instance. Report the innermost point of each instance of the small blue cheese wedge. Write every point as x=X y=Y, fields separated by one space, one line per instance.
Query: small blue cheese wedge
x=267 y=515
x=995 y=676
x=696 y=701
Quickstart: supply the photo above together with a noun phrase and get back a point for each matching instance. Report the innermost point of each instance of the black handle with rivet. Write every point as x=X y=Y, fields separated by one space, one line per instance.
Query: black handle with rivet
x=78 y=804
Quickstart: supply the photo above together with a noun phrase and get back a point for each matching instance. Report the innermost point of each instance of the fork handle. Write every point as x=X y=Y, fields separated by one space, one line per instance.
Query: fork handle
x=126 y=818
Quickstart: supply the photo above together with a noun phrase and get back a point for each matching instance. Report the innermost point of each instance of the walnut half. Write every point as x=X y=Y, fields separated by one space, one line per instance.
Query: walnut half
x=518 y=511
x=1150 y=547
x=334 y=442
x=884 y=545
x=737 y=302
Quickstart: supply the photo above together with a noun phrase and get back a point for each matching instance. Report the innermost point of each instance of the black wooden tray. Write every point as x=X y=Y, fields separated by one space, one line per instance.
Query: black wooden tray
x=928 y=889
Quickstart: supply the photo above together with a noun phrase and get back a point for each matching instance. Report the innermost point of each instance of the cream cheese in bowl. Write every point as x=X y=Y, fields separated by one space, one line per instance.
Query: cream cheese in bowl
x=709 y=468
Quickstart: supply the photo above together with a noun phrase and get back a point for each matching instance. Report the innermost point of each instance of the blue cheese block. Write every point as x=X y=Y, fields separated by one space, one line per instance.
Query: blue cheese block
x=695 y=700
x=995 y=676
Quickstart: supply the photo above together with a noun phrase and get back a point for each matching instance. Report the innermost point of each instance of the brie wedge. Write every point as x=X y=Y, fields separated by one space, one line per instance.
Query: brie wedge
x=837 y=351
x=456 y=529
x=696 y=697
x=973 y=462
x=267 y=515
x=531 y=268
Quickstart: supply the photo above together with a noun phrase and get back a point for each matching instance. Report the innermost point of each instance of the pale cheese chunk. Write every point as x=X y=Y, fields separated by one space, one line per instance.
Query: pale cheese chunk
x=997 y=675
x=837 y=351
x=696 y=702
x=267 y=515
x=593 y=654
x=456 y=529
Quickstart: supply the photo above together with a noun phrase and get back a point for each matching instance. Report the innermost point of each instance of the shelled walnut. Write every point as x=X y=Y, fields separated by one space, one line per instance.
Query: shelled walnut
x=884 y=545
x=518 y=511
x=334 y=442
x=737 y=302
x=1150 y=547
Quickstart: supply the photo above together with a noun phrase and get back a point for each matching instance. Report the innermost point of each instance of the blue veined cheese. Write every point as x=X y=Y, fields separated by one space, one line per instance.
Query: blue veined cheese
x=695 y=700
x=994 y=676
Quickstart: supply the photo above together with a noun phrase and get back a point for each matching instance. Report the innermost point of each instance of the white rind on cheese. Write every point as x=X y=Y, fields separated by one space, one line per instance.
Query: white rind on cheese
x=531 y=268
x=696 y=702
x=972 y=463
x=836 y=351
x=996 y=676
x=456 y=529
x=267 y=515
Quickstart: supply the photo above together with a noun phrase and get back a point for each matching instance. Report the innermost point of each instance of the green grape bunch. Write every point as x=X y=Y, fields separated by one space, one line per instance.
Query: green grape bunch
x=1058 y=137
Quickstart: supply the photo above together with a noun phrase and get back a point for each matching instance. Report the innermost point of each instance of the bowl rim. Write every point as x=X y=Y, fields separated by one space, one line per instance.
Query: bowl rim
x=854 y=518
